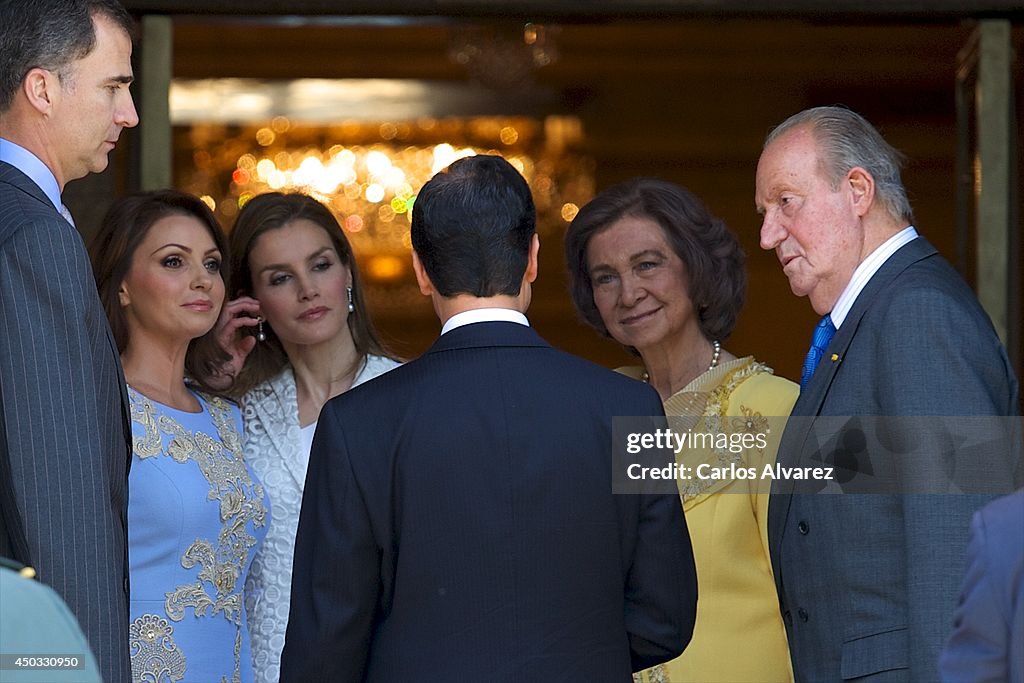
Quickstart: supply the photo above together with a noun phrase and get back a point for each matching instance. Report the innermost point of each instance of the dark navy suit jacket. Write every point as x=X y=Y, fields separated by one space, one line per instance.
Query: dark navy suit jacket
x=458 y=524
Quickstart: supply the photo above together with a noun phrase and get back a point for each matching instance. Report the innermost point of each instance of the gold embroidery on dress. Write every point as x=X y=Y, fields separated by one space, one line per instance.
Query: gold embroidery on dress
x=656 y=674
x=240 y=502
x=752 y=422
x=155 y=656
x=713 y=405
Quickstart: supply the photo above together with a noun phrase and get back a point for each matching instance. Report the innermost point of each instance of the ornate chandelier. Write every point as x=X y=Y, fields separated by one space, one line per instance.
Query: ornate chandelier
x=369 y=173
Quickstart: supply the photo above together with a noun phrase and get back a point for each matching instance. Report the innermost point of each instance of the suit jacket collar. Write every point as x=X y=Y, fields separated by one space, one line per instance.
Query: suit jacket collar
x=13 y=176
x=271 y=401
x=488 y=334
x=32 y=166
x=812 y=398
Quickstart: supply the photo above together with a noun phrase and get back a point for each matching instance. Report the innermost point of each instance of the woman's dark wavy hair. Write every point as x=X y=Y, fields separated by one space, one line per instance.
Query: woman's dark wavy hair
x=111 y=249
x=271 y=211
x=713 y=258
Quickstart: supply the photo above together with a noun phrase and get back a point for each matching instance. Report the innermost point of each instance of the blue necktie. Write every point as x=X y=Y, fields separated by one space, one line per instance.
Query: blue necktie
x=823 y=334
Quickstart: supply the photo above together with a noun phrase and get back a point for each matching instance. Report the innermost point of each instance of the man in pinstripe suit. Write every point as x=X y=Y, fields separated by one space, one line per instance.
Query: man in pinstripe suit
x=65 y=68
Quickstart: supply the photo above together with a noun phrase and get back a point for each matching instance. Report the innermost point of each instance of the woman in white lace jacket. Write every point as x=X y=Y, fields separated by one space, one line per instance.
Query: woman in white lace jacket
x=303 y=329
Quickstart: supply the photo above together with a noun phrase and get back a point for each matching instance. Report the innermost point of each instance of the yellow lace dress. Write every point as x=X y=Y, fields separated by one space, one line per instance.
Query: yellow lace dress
x=739 y=634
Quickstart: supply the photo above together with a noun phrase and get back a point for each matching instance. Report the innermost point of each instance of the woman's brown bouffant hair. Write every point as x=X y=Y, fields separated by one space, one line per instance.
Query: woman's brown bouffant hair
x=111 y=249
x=710 y=252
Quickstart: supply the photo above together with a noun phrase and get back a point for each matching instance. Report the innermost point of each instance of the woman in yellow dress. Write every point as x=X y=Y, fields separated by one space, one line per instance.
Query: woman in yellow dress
x=650 y=267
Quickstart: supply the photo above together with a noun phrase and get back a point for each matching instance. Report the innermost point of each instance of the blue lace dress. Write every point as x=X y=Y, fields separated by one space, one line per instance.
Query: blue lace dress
x=196 y=515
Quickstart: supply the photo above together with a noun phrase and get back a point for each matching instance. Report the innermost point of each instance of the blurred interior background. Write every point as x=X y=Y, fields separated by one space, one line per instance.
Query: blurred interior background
x=360 y=105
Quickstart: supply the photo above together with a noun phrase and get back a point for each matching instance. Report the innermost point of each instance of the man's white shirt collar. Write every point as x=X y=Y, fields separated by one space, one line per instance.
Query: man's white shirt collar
x=29 y=164
x=484 y=315
x=866 y=270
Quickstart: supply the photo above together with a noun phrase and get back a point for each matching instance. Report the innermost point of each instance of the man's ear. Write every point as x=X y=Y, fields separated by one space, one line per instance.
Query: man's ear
x=532 y=261
x=862 y=189
x=422 y=279
x=41 y=87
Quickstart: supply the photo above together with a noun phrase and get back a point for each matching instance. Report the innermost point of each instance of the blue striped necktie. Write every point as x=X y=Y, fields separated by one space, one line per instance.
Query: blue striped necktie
x=823 y=334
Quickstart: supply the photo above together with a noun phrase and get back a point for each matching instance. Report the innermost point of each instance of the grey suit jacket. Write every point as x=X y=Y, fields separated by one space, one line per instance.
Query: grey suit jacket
x=868 y=583
x=62 y=401
x=987 y=644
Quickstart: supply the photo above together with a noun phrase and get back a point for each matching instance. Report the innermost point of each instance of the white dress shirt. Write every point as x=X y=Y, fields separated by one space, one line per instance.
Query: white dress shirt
x=29 y=164
x=484 y=315
x=866 y=270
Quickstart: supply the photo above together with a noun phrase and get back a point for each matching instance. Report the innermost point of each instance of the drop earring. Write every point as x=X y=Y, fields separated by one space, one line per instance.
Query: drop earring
x=260 y=334
x=351 y=303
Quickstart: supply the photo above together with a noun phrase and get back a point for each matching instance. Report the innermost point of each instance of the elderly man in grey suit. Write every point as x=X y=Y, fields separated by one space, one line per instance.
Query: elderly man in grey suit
x=868 y=583
x=65 y=68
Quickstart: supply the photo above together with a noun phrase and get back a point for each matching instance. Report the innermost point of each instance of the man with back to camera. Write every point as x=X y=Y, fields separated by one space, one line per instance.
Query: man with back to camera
x=65 y=69
x=868 y=583
x=458 y=521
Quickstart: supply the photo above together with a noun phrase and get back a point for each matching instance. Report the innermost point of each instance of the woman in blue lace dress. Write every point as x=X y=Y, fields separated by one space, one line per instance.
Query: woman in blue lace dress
x=196 y=511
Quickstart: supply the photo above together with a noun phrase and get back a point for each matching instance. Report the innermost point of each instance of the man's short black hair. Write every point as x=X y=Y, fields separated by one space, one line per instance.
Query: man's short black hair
x=472 y=225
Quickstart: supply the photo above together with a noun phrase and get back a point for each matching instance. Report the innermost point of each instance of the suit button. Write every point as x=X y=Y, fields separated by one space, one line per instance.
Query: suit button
x=803 y=527
x=802 y=613
x=788 y=616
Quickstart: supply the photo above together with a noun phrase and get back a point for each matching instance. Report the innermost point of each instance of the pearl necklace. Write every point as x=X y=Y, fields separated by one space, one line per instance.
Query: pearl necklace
x=715 y=355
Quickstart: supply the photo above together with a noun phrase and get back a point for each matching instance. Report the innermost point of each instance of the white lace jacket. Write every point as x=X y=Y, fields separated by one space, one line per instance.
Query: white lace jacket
x=274 y=450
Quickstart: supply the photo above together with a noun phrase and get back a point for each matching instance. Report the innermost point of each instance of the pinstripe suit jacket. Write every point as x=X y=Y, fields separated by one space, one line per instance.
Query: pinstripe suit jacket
x=62 y=402
x=868 y=582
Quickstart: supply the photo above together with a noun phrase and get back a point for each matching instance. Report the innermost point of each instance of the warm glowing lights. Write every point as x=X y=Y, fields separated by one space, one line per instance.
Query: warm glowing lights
x=228 y=207
x=369 y=174
x=569 y=211
x=445 y=155
x=385 y=267
x=209 y=201
x=280 y=124
x=263 y=169
x=509 y=135
x=401 y=205
x=377 y=163
x=265 y=137
x=309 y=173
x=518 y=164
x=276 y=180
